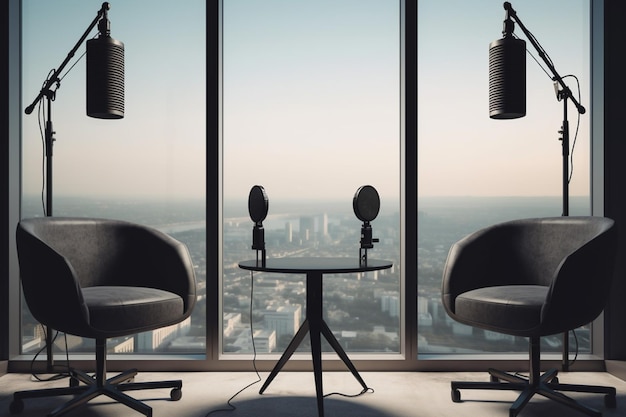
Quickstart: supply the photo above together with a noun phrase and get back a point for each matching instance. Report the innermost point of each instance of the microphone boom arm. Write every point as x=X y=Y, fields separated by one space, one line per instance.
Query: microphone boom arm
x=45 y=91
x=556 y=77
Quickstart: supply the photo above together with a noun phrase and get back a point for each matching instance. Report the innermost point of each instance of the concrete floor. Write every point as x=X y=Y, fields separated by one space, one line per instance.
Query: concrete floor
x=291 y=394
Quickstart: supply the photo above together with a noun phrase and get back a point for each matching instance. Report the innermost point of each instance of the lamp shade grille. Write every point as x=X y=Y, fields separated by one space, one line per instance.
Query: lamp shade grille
x=507 y=78
x=105 y=78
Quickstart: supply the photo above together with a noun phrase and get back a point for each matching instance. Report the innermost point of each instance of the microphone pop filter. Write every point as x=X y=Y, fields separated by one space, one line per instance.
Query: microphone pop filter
x=258 y=204
x=366 y=203
x=507 y=78
x=105 y=78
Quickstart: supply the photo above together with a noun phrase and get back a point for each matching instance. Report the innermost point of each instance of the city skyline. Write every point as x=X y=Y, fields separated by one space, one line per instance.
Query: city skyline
x=363 y=309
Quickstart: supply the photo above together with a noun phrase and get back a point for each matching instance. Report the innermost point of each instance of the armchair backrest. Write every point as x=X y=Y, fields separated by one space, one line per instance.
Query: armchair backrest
x=580 y=287
x=59 y=256
x=574 y=256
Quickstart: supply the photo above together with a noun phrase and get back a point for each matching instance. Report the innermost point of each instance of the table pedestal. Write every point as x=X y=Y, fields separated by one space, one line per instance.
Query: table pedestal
x=315 y=325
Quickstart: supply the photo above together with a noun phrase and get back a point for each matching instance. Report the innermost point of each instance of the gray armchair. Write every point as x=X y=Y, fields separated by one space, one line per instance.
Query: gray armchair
x=100 y=279
x=532 y=278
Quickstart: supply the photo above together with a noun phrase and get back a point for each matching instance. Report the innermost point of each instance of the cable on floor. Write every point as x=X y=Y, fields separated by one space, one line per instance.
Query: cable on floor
x=229 y=403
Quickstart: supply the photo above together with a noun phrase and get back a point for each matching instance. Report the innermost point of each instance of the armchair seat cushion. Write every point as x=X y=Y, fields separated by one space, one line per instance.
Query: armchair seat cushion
x=509 y=309
x=120 y=310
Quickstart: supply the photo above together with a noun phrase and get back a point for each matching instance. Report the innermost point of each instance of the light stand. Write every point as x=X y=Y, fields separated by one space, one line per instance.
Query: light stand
x=563 y=94
x=49 y=93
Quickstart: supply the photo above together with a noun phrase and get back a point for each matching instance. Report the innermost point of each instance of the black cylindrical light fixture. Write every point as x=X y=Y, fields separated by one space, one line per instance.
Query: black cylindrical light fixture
x=105 y=78
x=507 y=78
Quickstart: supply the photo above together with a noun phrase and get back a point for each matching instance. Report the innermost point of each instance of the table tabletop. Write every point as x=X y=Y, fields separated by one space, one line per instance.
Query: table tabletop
x=326 y=265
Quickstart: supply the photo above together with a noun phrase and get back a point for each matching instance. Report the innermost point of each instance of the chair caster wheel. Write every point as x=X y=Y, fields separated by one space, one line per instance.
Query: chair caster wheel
x=493 y=378
x=610 y=401
x=74 y=382
x=456 y=396
x=176 y=394
x=16 y=406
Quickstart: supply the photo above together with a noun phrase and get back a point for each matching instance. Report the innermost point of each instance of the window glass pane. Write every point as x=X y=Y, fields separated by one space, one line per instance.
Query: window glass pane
x=474 y=171
x=311 y=111
x=148 y=167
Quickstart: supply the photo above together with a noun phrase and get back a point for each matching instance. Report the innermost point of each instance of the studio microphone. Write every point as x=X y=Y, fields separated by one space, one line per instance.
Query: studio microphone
x=507 y=73
x=105 y=73
x=258 y=206
x=366 y=204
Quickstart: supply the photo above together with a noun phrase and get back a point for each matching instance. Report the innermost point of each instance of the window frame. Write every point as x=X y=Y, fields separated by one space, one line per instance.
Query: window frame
x=408 y=63
x=408 y=359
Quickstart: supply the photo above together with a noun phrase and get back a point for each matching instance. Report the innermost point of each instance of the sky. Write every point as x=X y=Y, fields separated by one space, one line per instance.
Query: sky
x=464 y=152
x=158 y=148
x=310 y=99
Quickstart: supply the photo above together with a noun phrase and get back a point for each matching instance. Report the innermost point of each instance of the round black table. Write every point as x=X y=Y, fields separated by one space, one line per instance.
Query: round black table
x=314 y=324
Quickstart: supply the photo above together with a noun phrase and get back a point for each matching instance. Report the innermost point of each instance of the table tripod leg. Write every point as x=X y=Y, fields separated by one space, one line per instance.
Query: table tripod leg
x=334 y=343
x=316 y=354
x=291 y=348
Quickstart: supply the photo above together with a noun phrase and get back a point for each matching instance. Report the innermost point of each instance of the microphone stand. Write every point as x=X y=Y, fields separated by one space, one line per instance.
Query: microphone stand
x=367 y=242
x=564 y=94
x=50 y=94
x=258 y=243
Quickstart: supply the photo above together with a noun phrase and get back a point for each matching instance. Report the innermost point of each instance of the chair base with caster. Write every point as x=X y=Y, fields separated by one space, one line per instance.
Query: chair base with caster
x=97 y=385
x=546 y=384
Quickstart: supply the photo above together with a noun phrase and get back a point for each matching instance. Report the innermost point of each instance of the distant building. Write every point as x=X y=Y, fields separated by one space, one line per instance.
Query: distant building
x=324 y=225
x=154 y=339
x=284 y=320
x=232 y=321
x=288 y=232
x=313 y=227
x=123 y=345
x=307 y=228
x=390 y=303
x=381 y=330
x=265 y=340
x=424 y=317
x=188 y=344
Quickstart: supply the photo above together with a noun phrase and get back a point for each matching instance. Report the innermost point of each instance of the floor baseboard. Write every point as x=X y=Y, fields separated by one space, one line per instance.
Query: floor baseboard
x=617 y=368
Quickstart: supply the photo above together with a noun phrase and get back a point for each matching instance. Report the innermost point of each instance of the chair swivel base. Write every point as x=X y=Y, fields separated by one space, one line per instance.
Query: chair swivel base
x=547 y=385
x=113 y=388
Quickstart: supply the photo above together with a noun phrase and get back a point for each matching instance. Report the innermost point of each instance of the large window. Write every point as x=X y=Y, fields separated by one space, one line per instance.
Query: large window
x=311 y=111
x=309 y=99
x=474 y=171
x=148 y=167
